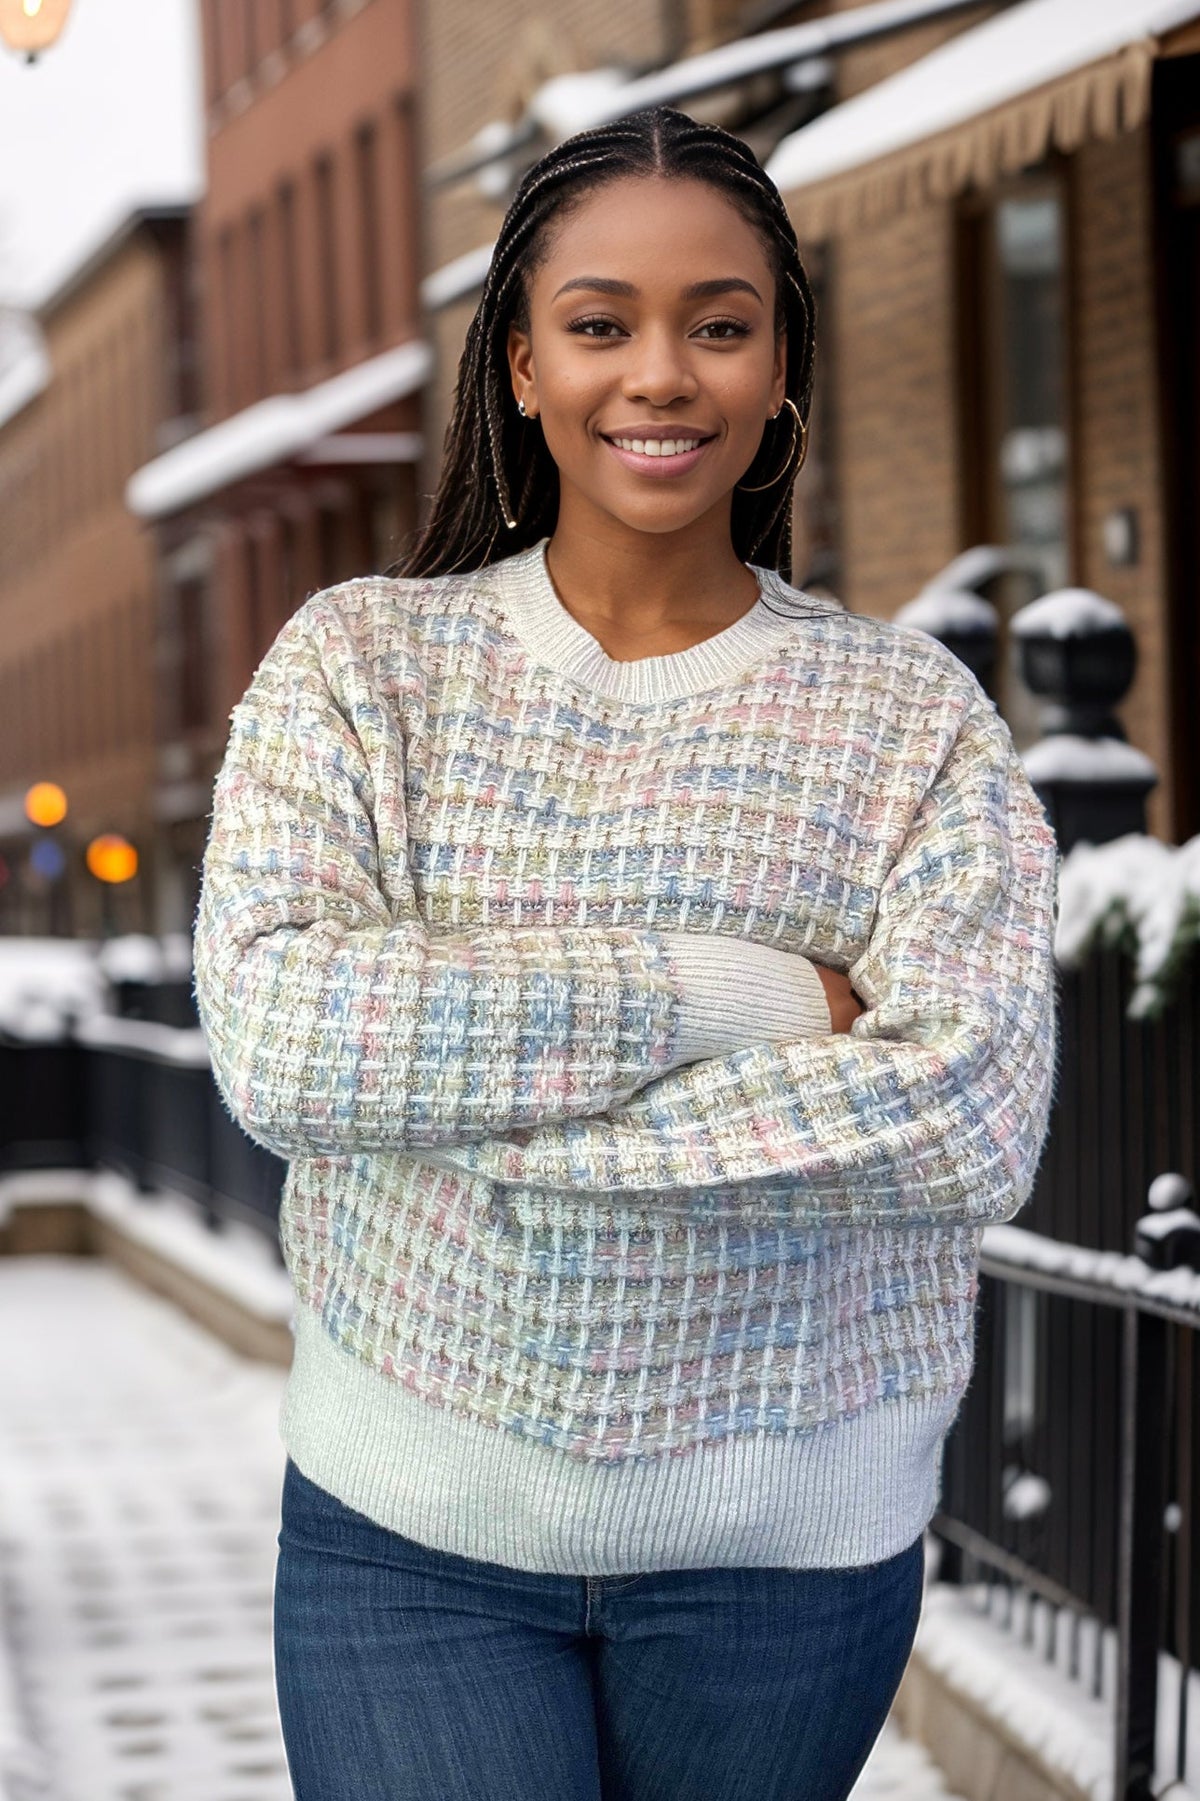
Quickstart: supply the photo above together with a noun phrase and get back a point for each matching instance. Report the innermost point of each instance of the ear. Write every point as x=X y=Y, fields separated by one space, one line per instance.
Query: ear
x=521 y=371
x=779 y=372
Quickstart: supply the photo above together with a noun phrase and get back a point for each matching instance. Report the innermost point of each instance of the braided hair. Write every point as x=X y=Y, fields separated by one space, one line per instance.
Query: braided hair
x=498 y=491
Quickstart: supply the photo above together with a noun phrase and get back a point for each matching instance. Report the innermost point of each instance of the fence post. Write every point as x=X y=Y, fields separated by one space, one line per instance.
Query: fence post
x=1140 y=1550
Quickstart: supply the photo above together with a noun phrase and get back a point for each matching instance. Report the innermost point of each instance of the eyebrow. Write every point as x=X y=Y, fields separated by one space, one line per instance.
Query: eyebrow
x=699 y=290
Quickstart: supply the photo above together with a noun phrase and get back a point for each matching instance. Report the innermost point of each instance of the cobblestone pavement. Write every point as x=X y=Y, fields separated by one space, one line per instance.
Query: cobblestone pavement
x=139 y=1486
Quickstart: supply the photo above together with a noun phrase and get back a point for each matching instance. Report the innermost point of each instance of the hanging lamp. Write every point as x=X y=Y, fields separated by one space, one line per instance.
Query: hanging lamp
x=31 y=26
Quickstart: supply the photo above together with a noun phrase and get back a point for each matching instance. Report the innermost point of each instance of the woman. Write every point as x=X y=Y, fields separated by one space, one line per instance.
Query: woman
x=647 y=969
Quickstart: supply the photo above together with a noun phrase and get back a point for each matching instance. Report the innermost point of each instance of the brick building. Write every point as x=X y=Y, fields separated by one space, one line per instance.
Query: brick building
x=86 y=388
x=299 y=468
x=1012 y=226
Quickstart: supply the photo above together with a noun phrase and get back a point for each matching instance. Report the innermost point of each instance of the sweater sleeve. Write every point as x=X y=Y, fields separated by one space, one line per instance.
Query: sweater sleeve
x=932 y=1109
x=335 y=1022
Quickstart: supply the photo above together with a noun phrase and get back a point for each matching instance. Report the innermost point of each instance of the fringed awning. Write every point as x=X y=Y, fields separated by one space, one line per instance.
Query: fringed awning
x=894 y=147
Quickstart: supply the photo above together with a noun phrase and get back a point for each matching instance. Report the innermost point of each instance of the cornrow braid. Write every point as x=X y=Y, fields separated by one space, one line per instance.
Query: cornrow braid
x=498 y=489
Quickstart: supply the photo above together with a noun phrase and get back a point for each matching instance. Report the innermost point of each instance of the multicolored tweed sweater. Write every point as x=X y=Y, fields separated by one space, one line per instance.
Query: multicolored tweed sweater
x=565 y=1302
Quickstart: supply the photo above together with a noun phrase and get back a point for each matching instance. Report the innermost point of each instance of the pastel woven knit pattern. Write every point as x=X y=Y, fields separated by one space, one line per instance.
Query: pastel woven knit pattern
x=431 y=968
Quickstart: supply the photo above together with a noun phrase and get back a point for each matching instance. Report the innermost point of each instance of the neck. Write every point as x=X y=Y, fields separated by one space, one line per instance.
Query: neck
x=641 y=581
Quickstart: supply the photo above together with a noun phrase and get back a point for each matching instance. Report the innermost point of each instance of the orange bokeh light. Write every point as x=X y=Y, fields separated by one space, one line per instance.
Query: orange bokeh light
x=112 y=858
x=45 y=804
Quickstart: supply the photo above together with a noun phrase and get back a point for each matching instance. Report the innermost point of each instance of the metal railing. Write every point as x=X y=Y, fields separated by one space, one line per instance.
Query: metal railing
x=1071 y=1472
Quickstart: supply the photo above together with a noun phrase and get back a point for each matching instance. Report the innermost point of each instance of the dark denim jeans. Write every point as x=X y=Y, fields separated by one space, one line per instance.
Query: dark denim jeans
x=404 y=1672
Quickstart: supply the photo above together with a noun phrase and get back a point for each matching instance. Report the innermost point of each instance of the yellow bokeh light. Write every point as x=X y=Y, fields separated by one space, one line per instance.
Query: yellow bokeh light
x=45 y=804
x=112 y=858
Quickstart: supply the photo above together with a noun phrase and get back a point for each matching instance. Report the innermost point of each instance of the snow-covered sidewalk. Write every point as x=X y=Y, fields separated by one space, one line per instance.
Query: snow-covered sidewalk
x=140 y=1469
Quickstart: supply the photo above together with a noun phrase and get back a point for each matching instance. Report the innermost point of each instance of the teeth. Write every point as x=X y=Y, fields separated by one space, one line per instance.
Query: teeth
x=657 y=447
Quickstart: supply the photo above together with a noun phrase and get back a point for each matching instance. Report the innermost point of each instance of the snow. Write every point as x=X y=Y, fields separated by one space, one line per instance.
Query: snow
x=24 y=363
x=47 y=982
x=1069 y=757
x=458 y=279
x=1067 y=613
x=106 y=123
x=1137 y=889
x=1026 y=1496
x=1018 y=1674
x=982 y=563
x=237 y=1261
x=1169 y=1191
x=140 y=1509
x=1019 y=1249
x=743 y=58
x=168 y=1044
x=1024 y=48
x=274 y=430
x=954 y=611
x=558 y=103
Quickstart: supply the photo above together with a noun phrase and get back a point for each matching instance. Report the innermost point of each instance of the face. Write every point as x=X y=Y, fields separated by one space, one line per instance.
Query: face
x=652 y=357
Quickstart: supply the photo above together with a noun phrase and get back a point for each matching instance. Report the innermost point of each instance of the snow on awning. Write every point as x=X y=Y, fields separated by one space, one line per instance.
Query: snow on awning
x=458 y=279
x=274 y=430
x=24 y=364
x=1046 y=73
x=572 y=103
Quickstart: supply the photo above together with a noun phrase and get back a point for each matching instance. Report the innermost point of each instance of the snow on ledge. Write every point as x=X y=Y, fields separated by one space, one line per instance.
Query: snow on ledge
x=238 y=1261
x=1067 y=613
x=949 y=611
x=1068 y=757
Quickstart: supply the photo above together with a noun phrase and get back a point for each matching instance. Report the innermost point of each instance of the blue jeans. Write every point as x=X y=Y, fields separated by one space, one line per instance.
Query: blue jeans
x=404 y=1672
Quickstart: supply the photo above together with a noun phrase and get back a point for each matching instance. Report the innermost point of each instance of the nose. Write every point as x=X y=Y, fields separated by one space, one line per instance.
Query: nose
x=657 y=369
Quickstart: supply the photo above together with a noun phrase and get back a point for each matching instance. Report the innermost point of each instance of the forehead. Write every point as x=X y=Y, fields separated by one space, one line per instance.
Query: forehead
x=670 y=231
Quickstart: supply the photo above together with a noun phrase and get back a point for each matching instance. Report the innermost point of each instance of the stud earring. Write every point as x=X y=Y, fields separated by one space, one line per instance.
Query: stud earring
x=521 y=409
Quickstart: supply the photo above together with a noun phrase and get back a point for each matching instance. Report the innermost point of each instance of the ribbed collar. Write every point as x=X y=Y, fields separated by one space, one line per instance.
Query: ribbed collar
x=538 y=618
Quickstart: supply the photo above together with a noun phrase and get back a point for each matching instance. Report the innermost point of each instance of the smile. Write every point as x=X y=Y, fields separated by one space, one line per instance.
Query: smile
x=659 y=456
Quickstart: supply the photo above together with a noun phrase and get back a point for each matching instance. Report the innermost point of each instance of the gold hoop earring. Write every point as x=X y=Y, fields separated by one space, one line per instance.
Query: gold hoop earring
x=799 y=438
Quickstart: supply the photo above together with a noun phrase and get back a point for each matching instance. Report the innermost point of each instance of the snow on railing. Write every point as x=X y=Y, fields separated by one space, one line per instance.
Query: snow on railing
x=1138 y=893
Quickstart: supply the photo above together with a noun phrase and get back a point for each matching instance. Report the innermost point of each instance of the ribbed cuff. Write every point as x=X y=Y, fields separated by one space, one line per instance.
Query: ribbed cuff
x=735 y=993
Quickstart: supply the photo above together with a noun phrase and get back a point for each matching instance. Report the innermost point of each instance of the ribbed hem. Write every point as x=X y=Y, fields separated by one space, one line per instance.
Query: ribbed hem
x=850 y=1493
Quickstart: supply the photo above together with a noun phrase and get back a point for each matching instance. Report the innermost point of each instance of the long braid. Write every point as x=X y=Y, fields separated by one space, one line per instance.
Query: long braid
x=498 y=490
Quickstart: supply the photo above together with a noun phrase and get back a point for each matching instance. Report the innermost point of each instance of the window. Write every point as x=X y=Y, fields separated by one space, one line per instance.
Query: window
x=290 y=277
x=192 y=690
x=327 y=258
x=256 y=234
x=366 y=157
x=1016 y=409
x=227 y=259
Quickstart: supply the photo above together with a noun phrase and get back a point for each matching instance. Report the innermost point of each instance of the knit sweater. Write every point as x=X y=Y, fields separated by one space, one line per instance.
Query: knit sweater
x=596 y=1272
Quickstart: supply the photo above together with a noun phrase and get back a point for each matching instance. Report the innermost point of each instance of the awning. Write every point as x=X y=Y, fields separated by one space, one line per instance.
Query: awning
x=571 y=103
x=1045 y=74
x=279 y=429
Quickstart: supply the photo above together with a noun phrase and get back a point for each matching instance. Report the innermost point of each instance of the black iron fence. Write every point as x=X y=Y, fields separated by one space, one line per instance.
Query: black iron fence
x=1071 y=1476
x=1071 y=1473
x=137 y=1096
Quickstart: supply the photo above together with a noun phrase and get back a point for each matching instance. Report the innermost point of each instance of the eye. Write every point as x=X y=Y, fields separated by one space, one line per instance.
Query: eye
x=722 y=330
x=595 y=327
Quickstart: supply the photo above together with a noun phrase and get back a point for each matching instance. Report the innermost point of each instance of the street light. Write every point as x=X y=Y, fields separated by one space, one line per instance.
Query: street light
x=45 y=804
x=31 y=26
x=111 y=858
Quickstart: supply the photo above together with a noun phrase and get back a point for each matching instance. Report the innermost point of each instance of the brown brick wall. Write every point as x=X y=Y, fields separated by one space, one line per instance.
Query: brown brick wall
x=892 y=344
x=77 y=577
x=1118 y=449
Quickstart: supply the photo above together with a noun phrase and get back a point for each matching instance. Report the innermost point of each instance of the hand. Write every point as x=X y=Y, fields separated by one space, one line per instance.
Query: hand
x=844 y=1004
